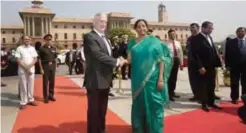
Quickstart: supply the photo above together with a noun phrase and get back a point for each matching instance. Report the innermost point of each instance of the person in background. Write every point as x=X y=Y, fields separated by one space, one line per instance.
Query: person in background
x=26 y=58
x=192 y=72
x=177 y=54
x=48 y=55
x=38 y=45
x=123 y=53
x=235 y=60
x=71 y=58
x=206 y=60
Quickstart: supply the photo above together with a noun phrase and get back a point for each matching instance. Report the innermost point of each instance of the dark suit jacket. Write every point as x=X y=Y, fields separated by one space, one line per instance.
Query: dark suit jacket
x=232 y=53
x=123 y=50
x=204 y=55
x=99 y=63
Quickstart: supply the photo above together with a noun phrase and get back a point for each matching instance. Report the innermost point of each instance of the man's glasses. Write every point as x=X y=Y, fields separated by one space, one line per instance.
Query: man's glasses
x=48 y=39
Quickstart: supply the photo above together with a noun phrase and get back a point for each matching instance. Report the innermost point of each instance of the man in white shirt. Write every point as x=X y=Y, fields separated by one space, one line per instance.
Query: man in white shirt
x=177 y=53
x=26 y=58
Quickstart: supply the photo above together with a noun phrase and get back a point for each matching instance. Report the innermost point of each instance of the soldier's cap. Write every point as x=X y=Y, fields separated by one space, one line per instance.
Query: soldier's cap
x=47 y=35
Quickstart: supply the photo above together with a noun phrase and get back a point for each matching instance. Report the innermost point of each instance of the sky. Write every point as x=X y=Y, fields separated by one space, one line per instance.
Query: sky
x=226 y=15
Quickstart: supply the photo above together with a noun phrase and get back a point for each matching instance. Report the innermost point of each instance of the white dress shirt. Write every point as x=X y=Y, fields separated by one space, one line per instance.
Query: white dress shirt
x=82 y=53
x=208 y=38
x=26 y=54
x=178 y=48
x=107 y=44
x=105 y=41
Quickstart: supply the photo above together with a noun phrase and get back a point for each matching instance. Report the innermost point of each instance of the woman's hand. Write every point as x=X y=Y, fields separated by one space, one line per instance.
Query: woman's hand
x=160 y=85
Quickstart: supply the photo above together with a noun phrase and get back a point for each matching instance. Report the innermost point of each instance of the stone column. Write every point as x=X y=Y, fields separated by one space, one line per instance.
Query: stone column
x=42 y=26
x=46 y=25
x=33 y=26
x=24 y=21
x=50 y=23
x=28 y=26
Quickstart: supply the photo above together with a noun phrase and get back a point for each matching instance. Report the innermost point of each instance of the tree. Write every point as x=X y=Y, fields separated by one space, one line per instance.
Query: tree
x=119 y=32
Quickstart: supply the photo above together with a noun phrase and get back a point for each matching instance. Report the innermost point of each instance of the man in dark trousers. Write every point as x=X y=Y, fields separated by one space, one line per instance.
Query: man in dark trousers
x=48 y=55
x=123 y=53
x=206 y=60
x=242 y=110
x=235 y=60
x=99 y=71
x=71 y=58
x=194 y=28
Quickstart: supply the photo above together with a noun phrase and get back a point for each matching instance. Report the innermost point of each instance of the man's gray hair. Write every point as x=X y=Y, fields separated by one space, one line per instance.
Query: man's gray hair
x=98 y=15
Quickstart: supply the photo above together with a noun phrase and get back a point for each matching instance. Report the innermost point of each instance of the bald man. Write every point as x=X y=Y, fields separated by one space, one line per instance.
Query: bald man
x=100 y=64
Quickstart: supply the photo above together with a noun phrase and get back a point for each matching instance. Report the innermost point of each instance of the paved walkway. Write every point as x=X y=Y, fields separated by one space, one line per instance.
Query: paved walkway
x=120 y=104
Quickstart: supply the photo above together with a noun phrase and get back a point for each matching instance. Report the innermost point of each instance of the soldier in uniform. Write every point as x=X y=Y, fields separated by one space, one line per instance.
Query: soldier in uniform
x=48 y=55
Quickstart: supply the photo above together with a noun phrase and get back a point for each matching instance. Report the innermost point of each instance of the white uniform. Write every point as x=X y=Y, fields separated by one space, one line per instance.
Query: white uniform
x=27 y=55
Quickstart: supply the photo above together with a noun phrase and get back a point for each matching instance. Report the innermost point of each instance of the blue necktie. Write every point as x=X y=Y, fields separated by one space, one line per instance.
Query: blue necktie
x=241 y=43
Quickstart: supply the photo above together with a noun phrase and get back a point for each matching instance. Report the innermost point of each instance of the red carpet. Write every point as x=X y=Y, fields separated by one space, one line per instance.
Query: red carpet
x=198 y=121
x=68 y=115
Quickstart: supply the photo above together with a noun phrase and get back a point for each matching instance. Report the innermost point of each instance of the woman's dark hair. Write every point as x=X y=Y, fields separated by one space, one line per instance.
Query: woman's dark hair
x=38 y=45
x=139 y=20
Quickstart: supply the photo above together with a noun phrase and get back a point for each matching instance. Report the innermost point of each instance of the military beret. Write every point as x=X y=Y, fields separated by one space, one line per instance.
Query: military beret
x=47 y=35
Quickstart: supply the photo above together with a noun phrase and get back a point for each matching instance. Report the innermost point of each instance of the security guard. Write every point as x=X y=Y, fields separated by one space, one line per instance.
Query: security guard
x=48 y=55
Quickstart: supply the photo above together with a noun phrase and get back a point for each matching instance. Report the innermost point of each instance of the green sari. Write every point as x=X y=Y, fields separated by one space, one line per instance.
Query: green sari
x=148 y=102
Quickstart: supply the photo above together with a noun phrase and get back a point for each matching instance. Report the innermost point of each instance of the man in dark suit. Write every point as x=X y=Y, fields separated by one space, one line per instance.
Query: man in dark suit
x=71 y=58
x=235 y=60
x=192 y=72
x=206 y=59
x=100 y=64
x=123 y=53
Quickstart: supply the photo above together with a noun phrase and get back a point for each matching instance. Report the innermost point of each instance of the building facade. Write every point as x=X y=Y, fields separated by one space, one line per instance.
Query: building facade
x=38 y=21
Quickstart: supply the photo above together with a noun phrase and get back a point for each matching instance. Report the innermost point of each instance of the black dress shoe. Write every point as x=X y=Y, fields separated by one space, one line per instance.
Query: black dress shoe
x=205 y=108
x=215 y=106
x=22 y=107
x=111 y=94
x=52 y=99
x=234 y=101
x=193 y=99
x=46 y=101
x=176 y=96
x=217 y=97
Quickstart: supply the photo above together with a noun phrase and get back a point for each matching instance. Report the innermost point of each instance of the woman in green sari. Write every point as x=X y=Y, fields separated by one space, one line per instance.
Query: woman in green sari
x=150 y=67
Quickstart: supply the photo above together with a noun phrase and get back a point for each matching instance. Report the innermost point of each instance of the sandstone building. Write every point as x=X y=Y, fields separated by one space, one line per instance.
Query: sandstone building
x=38 y=21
